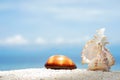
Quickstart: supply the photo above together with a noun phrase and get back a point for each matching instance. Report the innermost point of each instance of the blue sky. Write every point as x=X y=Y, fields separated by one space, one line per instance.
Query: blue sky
x=57 y=22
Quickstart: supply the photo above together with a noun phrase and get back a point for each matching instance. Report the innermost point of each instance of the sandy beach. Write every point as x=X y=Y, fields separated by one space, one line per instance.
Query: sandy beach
x=48 y=74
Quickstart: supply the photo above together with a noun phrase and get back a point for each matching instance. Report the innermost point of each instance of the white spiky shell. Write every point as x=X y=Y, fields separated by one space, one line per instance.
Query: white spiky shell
x=96 y=55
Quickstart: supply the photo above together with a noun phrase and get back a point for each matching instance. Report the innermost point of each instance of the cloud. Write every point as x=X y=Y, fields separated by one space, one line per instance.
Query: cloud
x=20 y=40
x=60 y=41
x=56 y=41
x=40 y=40
x=15 y=40
x=66 y=12
x=75 y=13
x=71 y=10
x=73 y=41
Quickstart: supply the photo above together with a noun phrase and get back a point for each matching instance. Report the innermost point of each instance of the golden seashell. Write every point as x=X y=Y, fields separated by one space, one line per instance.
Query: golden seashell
x=60 y=62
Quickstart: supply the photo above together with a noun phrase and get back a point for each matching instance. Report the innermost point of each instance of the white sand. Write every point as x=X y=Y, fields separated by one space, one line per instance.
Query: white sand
x=48 y=74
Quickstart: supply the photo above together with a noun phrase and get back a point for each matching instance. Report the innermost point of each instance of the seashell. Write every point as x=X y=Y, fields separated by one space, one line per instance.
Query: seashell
x=60 y=62
x=96 y=55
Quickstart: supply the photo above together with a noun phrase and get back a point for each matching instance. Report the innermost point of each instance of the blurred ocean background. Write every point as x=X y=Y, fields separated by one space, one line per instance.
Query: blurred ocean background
x=33 y=30
x=11 y=59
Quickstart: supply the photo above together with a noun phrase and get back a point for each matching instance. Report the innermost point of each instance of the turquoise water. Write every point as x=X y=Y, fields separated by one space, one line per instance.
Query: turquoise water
x=11 y=59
